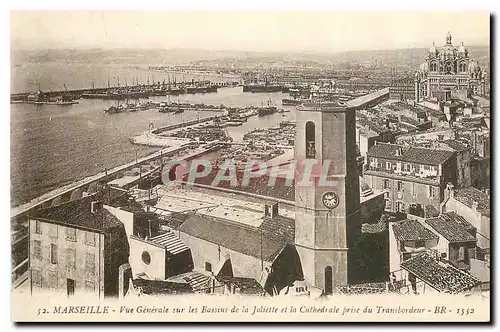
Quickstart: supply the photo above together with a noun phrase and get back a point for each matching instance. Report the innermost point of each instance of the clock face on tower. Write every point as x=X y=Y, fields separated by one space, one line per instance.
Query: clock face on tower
x=330 y=199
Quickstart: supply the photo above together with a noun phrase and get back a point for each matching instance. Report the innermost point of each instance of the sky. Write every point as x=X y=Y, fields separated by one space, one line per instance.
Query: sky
x=247 y=31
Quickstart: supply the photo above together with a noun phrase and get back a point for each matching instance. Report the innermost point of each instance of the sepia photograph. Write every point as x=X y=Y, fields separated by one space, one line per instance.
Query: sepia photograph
x=250 y=166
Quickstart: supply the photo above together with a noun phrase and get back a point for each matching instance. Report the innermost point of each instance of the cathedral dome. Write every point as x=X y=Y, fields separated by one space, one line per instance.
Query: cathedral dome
x=433 y=49
x=448 y=51
x=473 y=67
x=462 y=49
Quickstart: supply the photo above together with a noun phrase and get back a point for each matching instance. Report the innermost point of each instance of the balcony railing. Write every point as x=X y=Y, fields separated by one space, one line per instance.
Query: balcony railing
x=403 y=173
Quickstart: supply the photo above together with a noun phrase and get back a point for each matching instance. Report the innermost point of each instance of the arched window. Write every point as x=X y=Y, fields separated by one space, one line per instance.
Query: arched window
x=462 y=67
x=433 y=66
x=310 y=140
x=328 y=280
x=449 y=67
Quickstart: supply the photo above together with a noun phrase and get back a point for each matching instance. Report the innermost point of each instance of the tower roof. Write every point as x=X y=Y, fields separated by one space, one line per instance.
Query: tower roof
x=433 y=48
x=461 y=48
x=448 y=39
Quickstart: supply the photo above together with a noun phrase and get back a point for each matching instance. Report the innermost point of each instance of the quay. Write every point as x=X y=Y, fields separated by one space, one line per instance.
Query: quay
x=108 y=175
x=128 y=91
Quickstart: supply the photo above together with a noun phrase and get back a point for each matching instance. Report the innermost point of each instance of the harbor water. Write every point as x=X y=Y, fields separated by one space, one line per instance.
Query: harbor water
x=54 y=145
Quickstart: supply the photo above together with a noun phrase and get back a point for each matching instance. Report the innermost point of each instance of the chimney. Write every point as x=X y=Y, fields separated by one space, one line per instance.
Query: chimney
x=475 y=205
x=451 y=189
x=95 y=206
x=271 y=210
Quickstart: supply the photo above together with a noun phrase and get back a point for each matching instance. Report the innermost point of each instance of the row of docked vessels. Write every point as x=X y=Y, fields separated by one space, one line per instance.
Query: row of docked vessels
x=129 y=107
x=264 y=88
x=146 y=91
x=162 y=107
x=41 y=98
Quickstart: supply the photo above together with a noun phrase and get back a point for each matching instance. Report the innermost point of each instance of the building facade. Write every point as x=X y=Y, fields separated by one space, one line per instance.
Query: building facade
x=76 y=251
x=402 y=89
x=414 y=179
x=448 y=68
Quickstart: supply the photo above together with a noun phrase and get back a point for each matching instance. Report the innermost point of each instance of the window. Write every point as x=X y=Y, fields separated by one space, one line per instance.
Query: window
x=412 y=209
x=413 y=188
x=310 y=140
x=71 y=234
x=461 y=253
x=53 y=230
x=52 y=276
x=208 y=267
x=426 y=167
x=53 y=253
x=431 y=191
x=36 y=277
x=89 y=238
x=388 y=204
x=400 y=185
x=401 y=207
x=89 y=286
x=386 y=195
x=387 y=184
x=71 y=258
x=388 y=165
x=90 y=263
x=146 y=257
x=419 y=243
x=328 y=280
x=37 y=249
x=407 y=167
x=38 y=227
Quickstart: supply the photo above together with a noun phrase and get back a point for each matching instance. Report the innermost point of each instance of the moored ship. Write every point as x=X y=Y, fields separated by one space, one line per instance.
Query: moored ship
x=291 y=102
x=267 y=110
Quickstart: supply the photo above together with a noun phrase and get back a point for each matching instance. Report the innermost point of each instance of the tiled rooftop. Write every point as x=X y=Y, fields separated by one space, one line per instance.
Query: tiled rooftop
x=160 y=287
x=78 y=214
x=373 y=228
x=439 y=275
x=410 y=154
x=412 y=230
x=170 y=242
x=279 y=227
x=458 y=219
x=197 y=281
x=470 y=194
x=232 y=235
x=247 y=286
x=450 y=229
x=455 y=145
x=363 y=289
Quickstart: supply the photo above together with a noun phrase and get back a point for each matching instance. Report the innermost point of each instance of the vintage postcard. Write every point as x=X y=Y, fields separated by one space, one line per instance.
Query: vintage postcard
x=250 y=166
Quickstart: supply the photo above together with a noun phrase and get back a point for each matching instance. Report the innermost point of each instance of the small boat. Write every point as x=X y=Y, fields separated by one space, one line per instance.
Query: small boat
x=234 y=123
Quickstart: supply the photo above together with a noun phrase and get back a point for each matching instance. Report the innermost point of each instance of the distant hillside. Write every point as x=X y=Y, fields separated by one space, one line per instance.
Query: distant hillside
x=411 y=57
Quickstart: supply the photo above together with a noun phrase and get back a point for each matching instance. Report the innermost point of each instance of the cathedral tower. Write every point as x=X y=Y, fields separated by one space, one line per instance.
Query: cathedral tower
x=327 y=217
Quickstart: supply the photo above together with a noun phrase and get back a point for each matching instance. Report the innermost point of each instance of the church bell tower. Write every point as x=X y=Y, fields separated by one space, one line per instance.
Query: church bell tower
x=327 y=212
